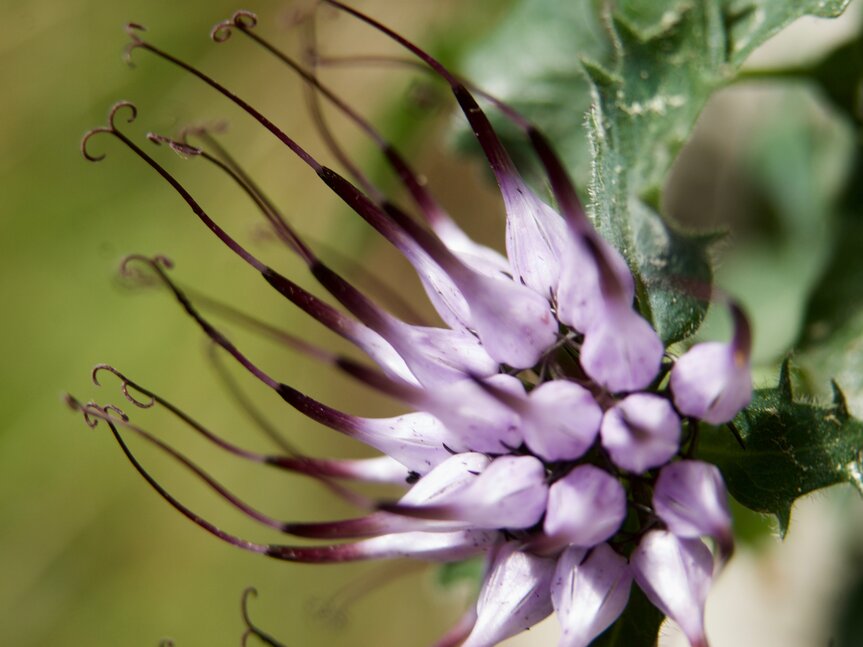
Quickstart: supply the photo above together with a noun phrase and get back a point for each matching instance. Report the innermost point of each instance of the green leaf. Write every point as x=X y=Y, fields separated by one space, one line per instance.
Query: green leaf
x=791 y=448
x=751 y=22
x=651 y=67
x=637 y=626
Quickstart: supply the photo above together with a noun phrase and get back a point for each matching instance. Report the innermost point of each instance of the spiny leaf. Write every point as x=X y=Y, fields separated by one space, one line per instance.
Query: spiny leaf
x=792 y=448
x=651 y=67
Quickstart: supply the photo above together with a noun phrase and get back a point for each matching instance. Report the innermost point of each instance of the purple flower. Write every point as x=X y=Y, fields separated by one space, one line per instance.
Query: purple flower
x=590 y=590
x=675 y=575
x=516 y=594
x=539 y=413
x=712 y=381
x=585 y=508
x=691 y=500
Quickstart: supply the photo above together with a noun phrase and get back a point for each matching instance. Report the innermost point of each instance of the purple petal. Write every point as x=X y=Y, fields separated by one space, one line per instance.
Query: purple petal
x=514 y=597
x=580 y=301
x=561 y=420
x=589 y=594
x=450 y=477
x=585 y=508
x=479 y=420
x=429 y=546
x=437 y=356
x=416 y=440
x=621 y=351
x=640 y=432
x=444 y=481
x=675 y=575
x=515 y=323
x=510 y=493
x=691 y=499
x=533 y=234
x=712 y=382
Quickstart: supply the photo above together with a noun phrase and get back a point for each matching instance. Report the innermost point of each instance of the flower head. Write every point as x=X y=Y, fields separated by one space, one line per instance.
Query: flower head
x=546 y=433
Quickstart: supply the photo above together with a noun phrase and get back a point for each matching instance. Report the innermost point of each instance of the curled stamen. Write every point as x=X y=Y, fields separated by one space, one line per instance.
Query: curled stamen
x=117 y=410
x=86 y=138
x=93 y=413
x=241 y=19
x=126 y=383
x=89 y=419
x=251 y=628
x=111 y=128
x=132 y=30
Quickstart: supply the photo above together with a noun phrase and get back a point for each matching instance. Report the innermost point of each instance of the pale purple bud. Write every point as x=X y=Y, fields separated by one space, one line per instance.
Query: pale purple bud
x=712 y=382
x=560 y=421
x=621 y=351
x=589 y=594
x=640 y=432
x=675 y=575
x=585 y=508
x=691 y=500
x=515 y=596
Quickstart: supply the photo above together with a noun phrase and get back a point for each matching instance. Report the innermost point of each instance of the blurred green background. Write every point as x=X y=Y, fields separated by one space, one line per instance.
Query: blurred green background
x=91 y=556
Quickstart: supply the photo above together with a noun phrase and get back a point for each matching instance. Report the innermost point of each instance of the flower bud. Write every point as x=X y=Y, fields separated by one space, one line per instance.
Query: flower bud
x=675 y=575
x=690 y=498
x=640 y=432
x=514 y=597
x=585 y=508
x=713 y=381
x=589 y=593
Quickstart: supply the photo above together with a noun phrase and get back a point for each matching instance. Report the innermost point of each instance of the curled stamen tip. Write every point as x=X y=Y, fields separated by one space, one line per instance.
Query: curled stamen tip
x=117 y=107
x=245 y=19
x=117 y=410
x=125 y=388
x=132 y=29
x=89 y=420
x=248 y=591
x=94 y=374
x=157 y=262
x=182 y=149
x=241 y=19
x=222 y=31
x=85 y=140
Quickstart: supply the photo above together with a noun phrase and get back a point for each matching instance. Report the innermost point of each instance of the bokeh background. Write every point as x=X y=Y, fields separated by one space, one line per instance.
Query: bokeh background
x=89 y=555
